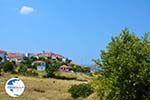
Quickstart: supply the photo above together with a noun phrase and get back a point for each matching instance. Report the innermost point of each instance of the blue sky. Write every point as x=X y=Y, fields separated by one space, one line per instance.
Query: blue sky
x=77 y=29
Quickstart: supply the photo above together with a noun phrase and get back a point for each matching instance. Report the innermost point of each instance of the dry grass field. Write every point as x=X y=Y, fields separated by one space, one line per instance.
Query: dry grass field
x=39 y=89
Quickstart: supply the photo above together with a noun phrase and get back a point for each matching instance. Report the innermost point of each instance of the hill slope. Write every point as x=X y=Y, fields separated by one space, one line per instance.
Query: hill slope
x=40 y=89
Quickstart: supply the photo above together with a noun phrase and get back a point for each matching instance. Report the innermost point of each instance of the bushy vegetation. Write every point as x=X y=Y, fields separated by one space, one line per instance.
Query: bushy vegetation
x=125 y=69
x=8 y=66
x=81 y=90
x=1 y=59
x=39 y=89
x=52 y=67
x=78 y=68
x=27 y=62
x=66 y=76
x=51 y=70
x=22 y=69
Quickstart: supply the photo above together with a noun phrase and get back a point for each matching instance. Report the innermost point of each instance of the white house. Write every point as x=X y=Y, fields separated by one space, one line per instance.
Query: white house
x=3 y=55
x=40 y=65
x=28 y=54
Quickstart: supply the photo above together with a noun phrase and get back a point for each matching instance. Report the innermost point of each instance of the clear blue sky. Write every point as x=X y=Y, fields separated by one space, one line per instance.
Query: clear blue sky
x=77 y=29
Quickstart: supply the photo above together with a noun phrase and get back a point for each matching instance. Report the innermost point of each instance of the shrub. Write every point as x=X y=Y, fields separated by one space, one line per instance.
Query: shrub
x=51 y=70
x=1 y=59
x=8 y=67
x=78 y=68
x=64 y=75
x=81 y=90
x=22 y=69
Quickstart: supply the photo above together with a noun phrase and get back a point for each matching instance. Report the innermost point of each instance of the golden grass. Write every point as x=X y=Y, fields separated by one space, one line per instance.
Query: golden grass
x=39 y=89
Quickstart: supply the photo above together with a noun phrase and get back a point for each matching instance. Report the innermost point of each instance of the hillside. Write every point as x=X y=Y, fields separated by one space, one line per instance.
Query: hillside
x=39 y=89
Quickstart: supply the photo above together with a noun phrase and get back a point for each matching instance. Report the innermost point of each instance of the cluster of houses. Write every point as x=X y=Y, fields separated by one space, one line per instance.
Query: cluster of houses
x=40 y=65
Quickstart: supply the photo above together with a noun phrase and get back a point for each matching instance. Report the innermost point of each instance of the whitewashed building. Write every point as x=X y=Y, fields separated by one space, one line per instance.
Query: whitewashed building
x=40 y=65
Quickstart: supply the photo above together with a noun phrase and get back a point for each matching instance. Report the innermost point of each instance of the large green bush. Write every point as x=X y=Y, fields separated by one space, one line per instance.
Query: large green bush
x=8 y=67
x=22 y=69
x=53 y=66
x=81 y=90
x=51 y=70
x=125 y=68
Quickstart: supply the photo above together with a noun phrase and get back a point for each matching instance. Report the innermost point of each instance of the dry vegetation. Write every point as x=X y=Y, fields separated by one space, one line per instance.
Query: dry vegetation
x=39 y=89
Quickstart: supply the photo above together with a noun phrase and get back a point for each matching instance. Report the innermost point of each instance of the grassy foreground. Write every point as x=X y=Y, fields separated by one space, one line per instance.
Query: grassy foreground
x=39 y=89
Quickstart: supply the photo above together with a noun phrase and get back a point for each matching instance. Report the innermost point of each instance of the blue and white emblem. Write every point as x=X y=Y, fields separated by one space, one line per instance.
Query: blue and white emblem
x=14 y=87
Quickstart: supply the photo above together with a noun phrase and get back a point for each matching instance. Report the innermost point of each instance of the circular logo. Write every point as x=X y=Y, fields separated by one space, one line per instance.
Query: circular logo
x=14 y=87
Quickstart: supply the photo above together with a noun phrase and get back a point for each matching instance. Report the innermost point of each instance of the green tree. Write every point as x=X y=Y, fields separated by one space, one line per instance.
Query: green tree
x=81 y=90
x=68 y=61
x=28 y=62
x=51 y=70
x=33 y=58
x=8 y=67
x=53 y=66
x=22 y=69
x=1 y=59
x=76 y=68
x=125 y=68
x=86 y=69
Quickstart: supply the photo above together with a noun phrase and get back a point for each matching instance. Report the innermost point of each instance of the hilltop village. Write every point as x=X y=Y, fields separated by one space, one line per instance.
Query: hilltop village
x=31 y=64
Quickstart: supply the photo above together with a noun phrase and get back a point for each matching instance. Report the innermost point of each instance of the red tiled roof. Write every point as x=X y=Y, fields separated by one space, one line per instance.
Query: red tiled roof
x=38 y=61
x=14 y=55
x=2 y=51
